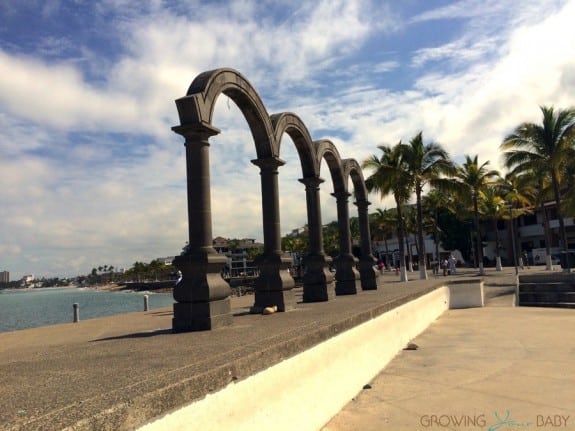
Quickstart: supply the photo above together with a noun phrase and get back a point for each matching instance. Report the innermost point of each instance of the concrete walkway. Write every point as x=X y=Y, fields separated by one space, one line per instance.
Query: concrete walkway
x=494 y=368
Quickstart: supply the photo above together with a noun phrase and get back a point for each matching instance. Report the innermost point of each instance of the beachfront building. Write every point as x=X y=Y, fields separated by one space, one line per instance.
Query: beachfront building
x=529 y=238
x=239 y=253
x=4 y=277
x=27 y=280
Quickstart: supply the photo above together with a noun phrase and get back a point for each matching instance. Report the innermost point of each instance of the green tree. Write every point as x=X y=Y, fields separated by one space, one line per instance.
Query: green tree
x=391 y=175
x=492 y=207
x=384 y=225
x=519 y=197
x=432 y=203
x=470 y=179
x=548 y=146
x=427 y=164
x=410 y=228
x=331 y=238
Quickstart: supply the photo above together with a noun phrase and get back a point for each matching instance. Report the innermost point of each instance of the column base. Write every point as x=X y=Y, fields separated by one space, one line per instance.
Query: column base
x=201 y=316
x=368 y=274
x=346 y=275
x=274 y=286
x=202 y=295
x=320 y=292
x=318 y=281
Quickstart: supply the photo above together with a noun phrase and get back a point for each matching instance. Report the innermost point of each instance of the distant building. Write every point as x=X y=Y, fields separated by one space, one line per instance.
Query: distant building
x=238 y=253
x=27 y=279
x=4 y=277
x=166 y=260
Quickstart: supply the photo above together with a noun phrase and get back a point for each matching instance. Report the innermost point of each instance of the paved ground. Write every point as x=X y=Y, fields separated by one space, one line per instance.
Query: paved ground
x=131 y=367
x=494 y=368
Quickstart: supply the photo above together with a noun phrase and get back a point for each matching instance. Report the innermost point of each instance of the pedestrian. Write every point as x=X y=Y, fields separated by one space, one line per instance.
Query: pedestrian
x=381 y=267
x=444 y=266
x=525 y=259
x=452 y=262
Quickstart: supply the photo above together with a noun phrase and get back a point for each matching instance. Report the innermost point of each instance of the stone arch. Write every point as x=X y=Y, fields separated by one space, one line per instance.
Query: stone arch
x=203 y=297
x=290 y=123
x=368 y=273
x=317 y=279
x=197 y=108
x=352 y=169
x=346 y=274
x=326 y=150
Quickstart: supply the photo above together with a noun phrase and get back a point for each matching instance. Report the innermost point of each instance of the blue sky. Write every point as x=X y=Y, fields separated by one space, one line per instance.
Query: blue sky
x=91 y=173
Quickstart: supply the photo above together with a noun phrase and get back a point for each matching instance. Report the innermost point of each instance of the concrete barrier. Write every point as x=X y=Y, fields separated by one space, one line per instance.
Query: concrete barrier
x=466 y=294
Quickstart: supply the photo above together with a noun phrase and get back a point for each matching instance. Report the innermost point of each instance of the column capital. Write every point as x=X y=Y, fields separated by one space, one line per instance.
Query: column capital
x=269 y=164
x=362 y=203
x=191 y=131
x=341 y=195
x=312 y=182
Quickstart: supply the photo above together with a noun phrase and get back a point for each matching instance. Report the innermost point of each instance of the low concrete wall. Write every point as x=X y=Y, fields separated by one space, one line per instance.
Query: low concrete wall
x=305 y=391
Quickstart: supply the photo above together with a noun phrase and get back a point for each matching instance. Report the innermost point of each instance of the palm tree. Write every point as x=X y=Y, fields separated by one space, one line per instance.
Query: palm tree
x=519 y=195
x=409 y=230
x=431 y=204
x=426 y=163
x=492 y=207
x=470 y=179
x=384 y=226
x=537 y=185
x=548 y=147
x=391 y=176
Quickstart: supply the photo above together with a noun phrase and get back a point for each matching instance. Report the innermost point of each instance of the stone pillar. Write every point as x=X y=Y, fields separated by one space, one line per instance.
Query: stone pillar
x=368 y=272
x=346 y=275
x=274 y=284
x=202 y=295
x=318 y=282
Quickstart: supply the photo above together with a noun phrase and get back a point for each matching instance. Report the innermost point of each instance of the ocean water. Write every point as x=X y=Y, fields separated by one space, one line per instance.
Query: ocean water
x=31 y=308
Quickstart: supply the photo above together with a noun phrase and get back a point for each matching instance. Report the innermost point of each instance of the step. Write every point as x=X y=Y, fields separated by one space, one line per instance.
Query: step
x=546 y=297
x=547 y=287
x=548 y=304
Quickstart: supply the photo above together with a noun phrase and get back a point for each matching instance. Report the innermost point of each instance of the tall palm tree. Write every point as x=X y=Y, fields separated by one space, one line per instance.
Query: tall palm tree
x=547 y=146
x=431 y=203
x=427 y=164
x=409 y=230
x=519 y=195
x=391 y=176
x=492 y=207
x=470 y=179
x=568 y=201
x=385 y=225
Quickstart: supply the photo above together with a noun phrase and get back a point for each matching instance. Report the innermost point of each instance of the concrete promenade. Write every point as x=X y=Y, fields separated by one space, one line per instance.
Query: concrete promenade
x=119 y=372
x=494 y=368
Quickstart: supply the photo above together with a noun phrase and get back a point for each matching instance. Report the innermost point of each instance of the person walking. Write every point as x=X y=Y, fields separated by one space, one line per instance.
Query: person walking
x=452 y=264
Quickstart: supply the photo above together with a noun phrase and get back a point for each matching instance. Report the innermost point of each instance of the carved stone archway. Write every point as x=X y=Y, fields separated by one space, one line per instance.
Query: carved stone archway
x=368 y=274
x=346 y=274
x=317 y=279
x=202 y=295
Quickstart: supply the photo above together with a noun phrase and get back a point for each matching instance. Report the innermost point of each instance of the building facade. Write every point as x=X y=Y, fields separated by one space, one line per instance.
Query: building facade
x=527 y=233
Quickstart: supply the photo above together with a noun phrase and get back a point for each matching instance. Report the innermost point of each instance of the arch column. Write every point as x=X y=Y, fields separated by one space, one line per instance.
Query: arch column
x=346 y=275
x=367 y=271
x=317 y=279
x=202 y=295
x=274 y=284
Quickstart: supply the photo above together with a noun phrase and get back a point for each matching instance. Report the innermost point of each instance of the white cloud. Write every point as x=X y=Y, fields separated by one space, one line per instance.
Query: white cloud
x=91 y=173
x=57 y=95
